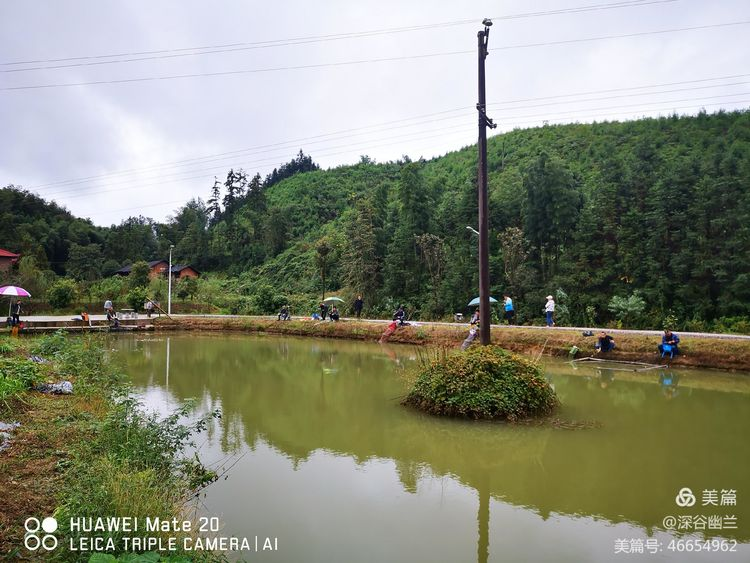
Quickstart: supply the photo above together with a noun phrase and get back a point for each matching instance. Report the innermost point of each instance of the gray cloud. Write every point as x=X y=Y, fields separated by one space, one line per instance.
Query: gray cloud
x=50 y=135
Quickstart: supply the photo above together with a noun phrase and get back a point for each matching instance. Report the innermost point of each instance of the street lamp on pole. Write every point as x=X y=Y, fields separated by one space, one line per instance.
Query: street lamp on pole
x=473 y=230
x=169 y=285
x=484 y=252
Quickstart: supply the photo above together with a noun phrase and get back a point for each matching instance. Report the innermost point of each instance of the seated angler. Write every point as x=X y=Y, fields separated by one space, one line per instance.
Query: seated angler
x=669 y=342
x=605 y=343
x=400 y=316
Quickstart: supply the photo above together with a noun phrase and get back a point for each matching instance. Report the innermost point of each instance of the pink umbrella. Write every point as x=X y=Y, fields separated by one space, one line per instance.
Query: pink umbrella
x=13 y=291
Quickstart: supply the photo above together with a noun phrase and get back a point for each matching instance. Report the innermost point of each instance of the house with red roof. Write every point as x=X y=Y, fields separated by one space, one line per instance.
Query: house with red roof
x=7 y=259
x=160 y=267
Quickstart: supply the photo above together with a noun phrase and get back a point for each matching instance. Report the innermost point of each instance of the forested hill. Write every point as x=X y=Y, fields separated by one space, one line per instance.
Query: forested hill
x=655 y=213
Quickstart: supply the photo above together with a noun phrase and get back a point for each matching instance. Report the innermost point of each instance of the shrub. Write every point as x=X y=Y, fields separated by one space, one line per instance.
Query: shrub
x=108 y=288
x=627 y=309
x=17 y=375
x=693 y=325
x=187 y=287
x=138 y=276
x=136 y=297
x=7 y=346
x=134 y=464
x=267 y=299
x=737 y=325
x=51 y=344
x=562 y=311
x=61 y=293
x=485 y=382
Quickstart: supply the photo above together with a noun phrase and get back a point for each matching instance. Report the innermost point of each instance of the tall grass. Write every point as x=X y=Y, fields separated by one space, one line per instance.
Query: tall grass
x=121 y=460
x=17 y=375
x=133 y=462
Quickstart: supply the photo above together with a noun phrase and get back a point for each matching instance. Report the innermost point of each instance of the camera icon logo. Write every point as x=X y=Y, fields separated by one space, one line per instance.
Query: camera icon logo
x=39 y=534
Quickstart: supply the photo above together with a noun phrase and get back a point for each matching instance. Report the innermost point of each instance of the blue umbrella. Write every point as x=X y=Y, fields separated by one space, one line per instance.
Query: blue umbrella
x=475 y=301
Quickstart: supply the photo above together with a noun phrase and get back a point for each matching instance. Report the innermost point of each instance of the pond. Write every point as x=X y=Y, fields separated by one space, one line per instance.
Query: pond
x=320 y=454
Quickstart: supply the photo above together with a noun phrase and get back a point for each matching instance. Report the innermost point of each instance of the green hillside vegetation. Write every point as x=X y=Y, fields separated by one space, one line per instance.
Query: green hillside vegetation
x=636 y=224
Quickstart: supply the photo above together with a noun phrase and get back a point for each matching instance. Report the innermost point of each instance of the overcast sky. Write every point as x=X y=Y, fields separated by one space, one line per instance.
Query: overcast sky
x=147 y=146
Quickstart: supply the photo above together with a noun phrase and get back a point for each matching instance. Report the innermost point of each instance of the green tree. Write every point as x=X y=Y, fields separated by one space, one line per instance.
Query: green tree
x=551 y=208
x=322 y=257
x=133 y=239
x=361 y=268
x=62 y=293
x=31 y=278
x=85 y=262
x=138 y=276
x=432 y=252
x=627 y=309
x=137 y=297
x=187 y=287
x=214 y=201
x=235 y=185
x=403 y=270
x=515 y=252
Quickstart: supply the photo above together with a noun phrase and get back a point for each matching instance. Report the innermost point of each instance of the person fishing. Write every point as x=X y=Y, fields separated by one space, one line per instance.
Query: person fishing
x=400 y=316
x=604 y=343
x=473 y=330
x=112 y=319
x=358 y=305
x=669 y=342
x=399 y=320
x=15 y=313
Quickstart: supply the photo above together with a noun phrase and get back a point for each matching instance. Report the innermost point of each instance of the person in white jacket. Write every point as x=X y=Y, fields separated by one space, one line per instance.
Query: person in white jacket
x=549 y=310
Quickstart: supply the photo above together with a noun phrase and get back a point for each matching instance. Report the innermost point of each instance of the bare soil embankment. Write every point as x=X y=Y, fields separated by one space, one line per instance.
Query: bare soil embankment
x=703 y=352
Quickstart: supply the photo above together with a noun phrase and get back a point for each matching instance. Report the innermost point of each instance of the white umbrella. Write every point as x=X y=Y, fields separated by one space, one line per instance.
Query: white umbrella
x=475 y=301
x=327 y=299
x=13 y=291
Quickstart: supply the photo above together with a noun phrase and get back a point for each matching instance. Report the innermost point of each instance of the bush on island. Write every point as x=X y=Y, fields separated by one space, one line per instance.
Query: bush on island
x=485 y=382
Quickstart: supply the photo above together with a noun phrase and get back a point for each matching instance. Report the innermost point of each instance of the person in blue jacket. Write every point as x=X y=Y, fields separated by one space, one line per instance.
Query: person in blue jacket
x=669 y=339
x=508 y=306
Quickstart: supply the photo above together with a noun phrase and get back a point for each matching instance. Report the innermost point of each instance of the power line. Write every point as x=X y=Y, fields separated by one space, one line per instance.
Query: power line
x=127 y=182
x=365 y=61
x=635 y=105
x=417 y=120
x=233 y=47
x=601 y=98
x=621 y=89
x=229 y=154
x=592 y=116
x=204 y=173
x=465 y=128
x=273 y=160
x=640 y=112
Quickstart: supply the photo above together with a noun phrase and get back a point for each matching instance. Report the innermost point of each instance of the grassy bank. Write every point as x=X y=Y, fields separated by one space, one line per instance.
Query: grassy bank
x=94 y=453
x=697 y=352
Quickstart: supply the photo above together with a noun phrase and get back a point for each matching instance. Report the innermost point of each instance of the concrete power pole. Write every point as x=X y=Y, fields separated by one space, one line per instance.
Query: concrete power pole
x=484 y=251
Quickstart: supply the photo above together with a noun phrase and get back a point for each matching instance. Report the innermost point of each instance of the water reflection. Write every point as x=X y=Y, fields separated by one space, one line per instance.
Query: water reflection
x=312 y=402
x=668 y=381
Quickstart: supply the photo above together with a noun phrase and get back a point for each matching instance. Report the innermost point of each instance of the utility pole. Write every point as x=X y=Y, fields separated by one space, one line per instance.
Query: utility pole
x=169 y=282
x=484 y=251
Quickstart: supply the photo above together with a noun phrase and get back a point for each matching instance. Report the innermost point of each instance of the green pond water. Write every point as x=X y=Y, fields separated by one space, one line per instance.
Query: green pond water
x=321 y=455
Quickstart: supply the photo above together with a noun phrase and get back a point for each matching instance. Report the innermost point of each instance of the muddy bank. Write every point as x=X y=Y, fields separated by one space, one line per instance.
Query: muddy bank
x=696 y=352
